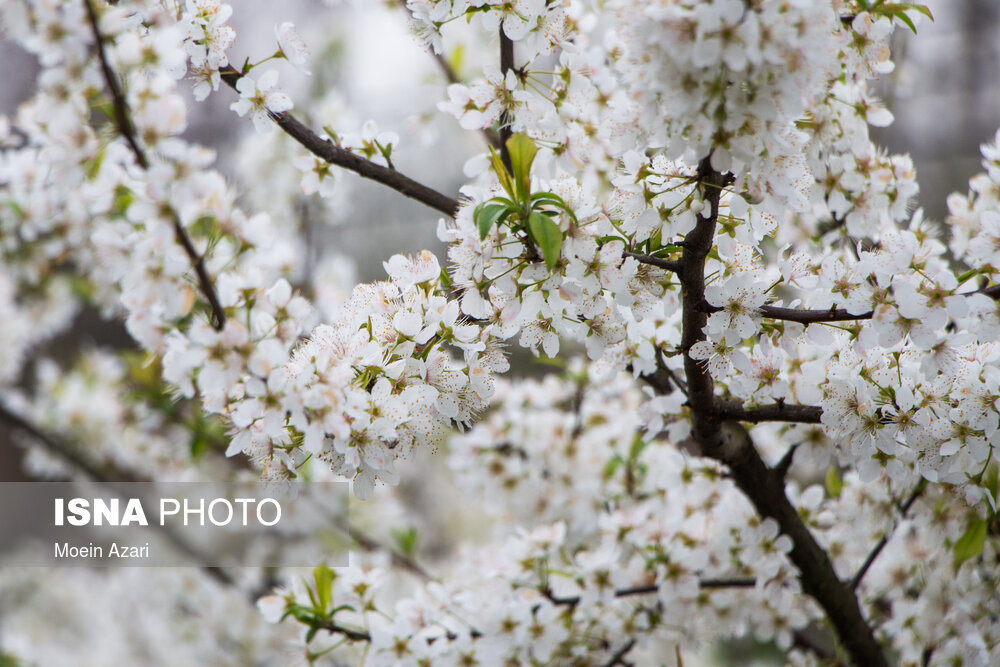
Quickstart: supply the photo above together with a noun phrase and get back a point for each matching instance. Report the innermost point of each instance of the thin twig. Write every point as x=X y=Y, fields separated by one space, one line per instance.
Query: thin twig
x=874 y=554
x=668 y=264
x=726 y=441
x=649 y=589
x=775 y=412
x=341 y=157
x=506 y=65
x=618 y=657
x=806 y=316
x=451 y=76
x=348 y=633
x=811 y=316
x=126 y=129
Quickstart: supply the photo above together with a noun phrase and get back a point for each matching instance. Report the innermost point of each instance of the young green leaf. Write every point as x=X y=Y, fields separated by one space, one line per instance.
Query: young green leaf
x=487 y=215
x=901 y=15
x=502 y=174
x=522 y=153
x=323 y=577
x=834 y=485
x=547 y=237
x=971 y=543
x=553 y=200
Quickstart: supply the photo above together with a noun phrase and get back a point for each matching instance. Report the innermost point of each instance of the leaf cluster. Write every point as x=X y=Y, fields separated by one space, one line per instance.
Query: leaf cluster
x=533 y=214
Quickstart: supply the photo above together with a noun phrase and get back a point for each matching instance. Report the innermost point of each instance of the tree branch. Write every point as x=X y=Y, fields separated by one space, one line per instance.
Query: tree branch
x=993 y=291
x=506 y=65
x=880 y=545
x=348 y=633
x=729 y=443
x=618 y=657
x=649 y=589
x=775 y=412
x=668 y=264
x=811 y=316
x=126 y=129
x=806 y=316
x=341 y=157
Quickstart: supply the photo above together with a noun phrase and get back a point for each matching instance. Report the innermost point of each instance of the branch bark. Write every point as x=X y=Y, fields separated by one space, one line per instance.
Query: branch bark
x=729 y=443
x=341 y=157
x=811 y=316
x=806 y=316
x=776 y=412
x=506 y=65
x=123 y=123
x=668 y=264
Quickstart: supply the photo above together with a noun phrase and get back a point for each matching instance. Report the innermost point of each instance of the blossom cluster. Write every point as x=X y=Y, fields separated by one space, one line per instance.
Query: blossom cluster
x=557 y=586
x=362 y=393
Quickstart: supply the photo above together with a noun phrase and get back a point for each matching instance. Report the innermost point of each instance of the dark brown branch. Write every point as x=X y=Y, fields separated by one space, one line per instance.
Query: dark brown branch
x=729 y=443
x=122 y=118
x=618 y=657
x=811 y=316
x=775 y=412
x=993 y=292
x=668 y=264
x=123 y=123
x=67 y=454
x=880 y=545
x=348 y=633
x=506 y=65
x=839 y=314
x=649 y=589
x=341 y=157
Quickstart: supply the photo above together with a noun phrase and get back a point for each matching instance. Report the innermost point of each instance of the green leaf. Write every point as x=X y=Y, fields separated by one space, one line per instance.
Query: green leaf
x=923 y=9
x=547 y=237
x=555 y=202
x=522 y=153
x=834 y=485
x=901 y=15
x=547 y=195
x=487 y=215
x=446 y=281
x=323 y=576
x=406 y=540
x=502 y=174
x=992 y=483
x=655 y=240
x=612 y=465
x=456 y=59
x=971 y=543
